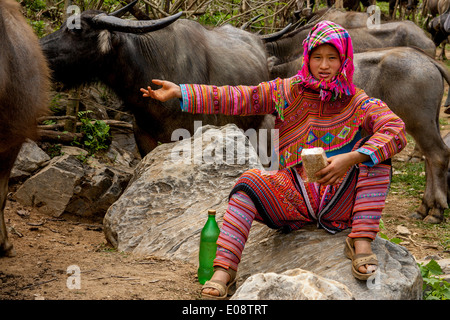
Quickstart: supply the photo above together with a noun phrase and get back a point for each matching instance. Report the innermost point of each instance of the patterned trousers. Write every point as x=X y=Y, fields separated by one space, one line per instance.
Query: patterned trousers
x=284 y=200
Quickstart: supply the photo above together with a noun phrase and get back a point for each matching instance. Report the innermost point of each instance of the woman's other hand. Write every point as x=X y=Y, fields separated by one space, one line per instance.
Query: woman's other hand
x=168 y=91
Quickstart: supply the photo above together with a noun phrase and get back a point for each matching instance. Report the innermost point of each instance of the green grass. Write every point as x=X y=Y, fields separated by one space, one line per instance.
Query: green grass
x=408 y=179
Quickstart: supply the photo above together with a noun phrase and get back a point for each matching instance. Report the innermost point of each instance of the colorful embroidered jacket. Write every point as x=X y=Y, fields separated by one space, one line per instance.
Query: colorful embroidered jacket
x=304 y=121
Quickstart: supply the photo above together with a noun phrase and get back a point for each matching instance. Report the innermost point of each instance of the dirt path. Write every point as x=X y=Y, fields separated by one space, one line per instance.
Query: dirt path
x=47 y=248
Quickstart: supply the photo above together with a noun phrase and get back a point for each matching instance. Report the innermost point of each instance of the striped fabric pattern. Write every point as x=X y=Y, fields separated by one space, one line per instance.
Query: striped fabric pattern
x=234 y=231
x=372 y=188
x=389 y=132
x=308 y=121
x=228 y=100
x=275 y=197
x=283 y=200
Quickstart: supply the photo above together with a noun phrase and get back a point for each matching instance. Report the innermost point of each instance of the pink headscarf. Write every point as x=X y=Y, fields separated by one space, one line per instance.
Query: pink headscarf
x=341 y=84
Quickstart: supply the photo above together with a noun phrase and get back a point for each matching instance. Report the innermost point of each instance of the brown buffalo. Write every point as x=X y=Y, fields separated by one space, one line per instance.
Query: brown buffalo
x=24 y=88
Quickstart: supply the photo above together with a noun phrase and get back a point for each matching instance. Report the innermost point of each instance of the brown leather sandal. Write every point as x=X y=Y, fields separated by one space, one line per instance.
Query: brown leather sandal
x=359 y=260
x=225 y=289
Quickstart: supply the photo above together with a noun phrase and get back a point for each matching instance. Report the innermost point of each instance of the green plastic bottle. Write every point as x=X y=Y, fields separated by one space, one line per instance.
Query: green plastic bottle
x=208 y=247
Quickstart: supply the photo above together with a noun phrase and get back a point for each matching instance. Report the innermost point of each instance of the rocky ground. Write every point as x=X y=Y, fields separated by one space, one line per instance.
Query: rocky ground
x=49 y=251
x=47 y=248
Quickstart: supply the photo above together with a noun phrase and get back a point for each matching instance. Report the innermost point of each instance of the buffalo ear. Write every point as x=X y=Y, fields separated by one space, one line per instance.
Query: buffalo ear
x=105 y=44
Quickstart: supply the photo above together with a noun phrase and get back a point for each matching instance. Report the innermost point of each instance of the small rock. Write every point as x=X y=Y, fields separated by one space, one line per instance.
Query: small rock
x=23 y=213
x=296 y=284
x=404 y=231
x=30 y=159
x=51 y=189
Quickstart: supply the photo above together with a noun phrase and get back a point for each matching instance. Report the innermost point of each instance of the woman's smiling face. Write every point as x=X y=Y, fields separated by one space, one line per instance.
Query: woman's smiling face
x=324 y=62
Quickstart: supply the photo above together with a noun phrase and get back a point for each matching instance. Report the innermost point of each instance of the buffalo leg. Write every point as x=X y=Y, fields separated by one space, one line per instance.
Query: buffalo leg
x=437 y=156
x=7 y=160
x=144 y=141
x=447 y=104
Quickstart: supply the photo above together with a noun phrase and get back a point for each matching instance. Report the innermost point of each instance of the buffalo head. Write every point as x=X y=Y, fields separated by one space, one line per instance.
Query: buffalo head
x=78 y=52
x=125 y=56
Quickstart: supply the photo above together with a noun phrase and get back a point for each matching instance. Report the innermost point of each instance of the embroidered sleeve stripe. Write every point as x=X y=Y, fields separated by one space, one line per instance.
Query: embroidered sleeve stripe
x=228 y=100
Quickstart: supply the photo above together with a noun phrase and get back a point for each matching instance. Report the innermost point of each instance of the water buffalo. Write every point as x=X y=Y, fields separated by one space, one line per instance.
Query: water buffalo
x=127 y=54
x=352 y=5
x=392 y=34
x=435 y=7
x=411 y=83
x=346 y=19
x=431 y=9
x=439 y=34
x=24 y=87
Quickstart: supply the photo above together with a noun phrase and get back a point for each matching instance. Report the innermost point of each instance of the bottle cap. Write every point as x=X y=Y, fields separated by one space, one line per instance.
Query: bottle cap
x=212 y=212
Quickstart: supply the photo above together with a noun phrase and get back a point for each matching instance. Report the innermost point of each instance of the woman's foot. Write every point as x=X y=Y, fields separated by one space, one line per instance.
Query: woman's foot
x=362 y=246
x=218 y=275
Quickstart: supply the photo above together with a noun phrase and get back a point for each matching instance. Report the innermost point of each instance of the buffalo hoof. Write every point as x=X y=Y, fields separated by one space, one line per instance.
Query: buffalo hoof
x=416 y=215
x=8 y=251
x=433 y=219
x=447 y=109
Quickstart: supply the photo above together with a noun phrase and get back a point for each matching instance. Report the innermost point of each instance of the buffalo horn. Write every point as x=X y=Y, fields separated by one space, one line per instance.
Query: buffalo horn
x=111 y=23
x=277 y=35
x=119 y=13
x=248 y=23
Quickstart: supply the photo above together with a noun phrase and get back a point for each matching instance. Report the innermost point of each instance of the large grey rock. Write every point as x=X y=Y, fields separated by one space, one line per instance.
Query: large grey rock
x=296 y=284
x=69 y=185
x=164 y=208
x=98 y=189
x=318 y=251
x=165 y=205
x=51 y=189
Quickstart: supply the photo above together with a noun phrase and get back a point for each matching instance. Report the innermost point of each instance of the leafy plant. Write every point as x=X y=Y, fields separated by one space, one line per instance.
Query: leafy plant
x=55 y=104
x=54 y=150
x=96 y=133
x=35 y=5
x=434 y=288
x=38 y=27
x=49 y=122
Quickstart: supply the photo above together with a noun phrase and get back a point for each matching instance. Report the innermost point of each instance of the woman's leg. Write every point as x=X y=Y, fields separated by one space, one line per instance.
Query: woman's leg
x=370 y=198
x=234 y=232
x=364 y=246
x=270 y=198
